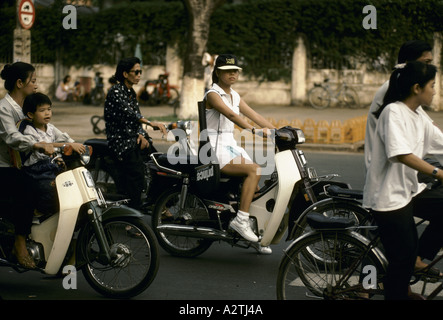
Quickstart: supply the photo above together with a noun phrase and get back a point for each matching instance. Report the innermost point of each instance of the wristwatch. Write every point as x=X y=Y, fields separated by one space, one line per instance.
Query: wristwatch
x=434 y=172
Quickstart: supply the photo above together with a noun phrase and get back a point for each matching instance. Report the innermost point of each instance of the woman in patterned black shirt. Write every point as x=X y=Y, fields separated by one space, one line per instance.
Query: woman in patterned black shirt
x=126 y=137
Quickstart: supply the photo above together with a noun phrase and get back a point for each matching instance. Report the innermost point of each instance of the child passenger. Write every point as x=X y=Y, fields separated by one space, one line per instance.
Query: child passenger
x=38 y=109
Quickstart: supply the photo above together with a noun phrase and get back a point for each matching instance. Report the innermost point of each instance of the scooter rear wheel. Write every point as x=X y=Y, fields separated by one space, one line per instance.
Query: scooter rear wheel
x=167 y=210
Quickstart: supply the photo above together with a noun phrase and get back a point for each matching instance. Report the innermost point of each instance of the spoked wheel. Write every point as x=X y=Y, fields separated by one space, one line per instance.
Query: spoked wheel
x=340 y=254
x=134 y=258
x=334 y=209
x=173 y=97
x=350 y=98
x=319 y=98
x=167 y=211
x=329 y=208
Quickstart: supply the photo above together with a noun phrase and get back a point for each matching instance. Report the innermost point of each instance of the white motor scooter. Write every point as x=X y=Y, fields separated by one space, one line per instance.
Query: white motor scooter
x=108 y=241
x=197 y=210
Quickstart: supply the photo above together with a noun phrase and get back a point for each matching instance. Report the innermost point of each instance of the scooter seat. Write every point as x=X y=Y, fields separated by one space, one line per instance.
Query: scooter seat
x=100 y=145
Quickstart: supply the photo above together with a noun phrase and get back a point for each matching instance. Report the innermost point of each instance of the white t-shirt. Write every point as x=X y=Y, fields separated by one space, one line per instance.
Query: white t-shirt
x=51 y=135
x=371 y=122
x=390 y=185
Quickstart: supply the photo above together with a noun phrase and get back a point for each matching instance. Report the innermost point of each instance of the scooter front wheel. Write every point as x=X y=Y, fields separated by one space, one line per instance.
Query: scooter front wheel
x=134 y=258
x=167 y=211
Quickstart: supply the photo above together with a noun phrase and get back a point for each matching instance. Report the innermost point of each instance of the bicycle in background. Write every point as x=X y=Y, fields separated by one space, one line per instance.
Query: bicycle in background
x=159 y=91
x=321 y=96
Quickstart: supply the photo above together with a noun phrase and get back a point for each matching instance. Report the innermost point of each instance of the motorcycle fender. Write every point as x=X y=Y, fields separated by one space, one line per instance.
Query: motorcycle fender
x=118 y=211
x=71 y=195
x=288 y=176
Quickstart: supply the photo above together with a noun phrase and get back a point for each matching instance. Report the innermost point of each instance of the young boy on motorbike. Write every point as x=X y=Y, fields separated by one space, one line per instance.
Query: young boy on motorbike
x=38 y=108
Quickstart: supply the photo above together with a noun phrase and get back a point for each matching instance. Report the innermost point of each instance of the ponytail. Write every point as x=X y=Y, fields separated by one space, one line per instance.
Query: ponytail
x=403 y=78
x=16 y=71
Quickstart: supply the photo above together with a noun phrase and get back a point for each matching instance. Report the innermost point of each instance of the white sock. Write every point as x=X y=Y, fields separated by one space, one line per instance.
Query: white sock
x=243 y=215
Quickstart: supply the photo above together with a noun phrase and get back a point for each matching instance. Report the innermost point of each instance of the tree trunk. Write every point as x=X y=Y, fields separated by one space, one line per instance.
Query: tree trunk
x=192 y=91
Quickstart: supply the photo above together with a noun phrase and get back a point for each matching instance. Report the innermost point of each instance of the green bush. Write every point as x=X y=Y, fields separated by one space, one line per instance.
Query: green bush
x=262 y=33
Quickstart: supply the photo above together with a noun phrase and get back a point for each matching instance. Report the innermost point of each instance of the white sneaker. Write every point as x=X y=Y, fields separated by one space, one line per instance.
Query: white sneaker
x=244 y=229
x=262 y=250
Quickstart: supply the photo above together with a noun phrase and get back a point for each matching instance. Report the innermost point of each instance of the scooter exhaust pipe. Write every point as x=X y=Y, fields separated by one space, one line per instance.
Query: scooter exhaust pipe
x=194 y=232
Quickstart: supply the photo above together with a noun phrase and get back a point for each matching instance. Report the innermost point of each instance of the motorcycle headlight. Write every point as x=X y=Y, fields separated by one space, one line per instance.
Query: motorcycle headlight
x=300 y=136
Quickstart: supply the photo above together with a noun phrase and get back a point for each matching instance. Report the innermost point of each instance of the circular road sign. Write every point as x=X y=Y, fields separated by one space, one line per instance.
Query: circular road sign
x=26 y=13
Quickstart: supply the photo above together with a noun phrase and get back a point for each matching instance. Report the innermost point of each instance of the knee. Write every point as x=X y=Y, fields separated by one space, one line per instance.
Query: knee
x=255 y=171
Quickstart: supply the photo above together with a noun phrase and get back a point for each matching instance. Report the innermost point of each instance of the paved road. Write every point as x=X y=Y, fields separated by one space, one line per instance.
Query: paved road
x=75 y=118
x=221 y=274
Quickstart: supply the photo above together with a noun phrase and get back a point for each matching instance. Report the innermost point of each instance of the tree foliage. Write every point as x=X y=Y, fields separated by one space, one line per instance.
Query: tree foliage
x=261 y=33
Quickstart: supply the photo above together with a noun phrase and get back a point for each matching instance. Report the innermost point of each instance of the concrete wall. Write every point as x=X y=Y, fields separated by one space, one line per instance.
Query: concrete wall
x=255 y=92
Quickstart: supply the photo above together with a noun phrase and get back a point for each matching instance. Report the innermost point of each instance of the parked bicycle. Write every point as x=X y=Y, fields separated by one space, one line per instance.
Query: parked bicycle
x=321 y=96
x=98 y=93
x=159 y=91
x=334 y=260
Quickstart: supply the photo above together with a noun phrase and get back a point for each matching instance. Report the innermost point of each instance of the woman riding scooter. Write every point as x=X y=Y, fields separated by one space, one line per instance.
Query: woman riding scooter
x=16 y=196
x=223 y=106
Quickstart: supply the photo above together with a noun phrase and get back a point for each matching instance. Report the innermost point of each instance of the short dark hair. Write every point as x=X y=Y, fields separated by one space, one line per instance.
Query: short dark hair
x=125 y=65
x=35 y=100
x=412 y=50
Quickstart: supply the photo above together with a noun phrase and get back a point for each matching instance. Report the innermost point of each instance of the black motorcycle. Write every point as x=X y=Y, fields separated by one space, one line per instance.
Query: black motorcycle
x=186 y=217
x=106 y=176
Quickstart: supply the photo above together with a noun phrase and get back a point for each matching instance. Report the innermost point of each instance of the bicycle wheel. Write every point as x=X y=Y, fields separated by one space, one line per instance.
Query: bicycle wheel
x=167 y=211
x=173 y=97
x=333 y=208
x=350 y=98
x=319 y=98
x=339 y=274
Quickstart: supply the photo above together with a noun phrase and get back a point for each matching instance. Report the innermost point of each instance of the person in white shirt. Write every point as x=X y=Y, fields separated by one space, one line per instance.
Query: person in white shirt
x=223 y=108
x=403 y=136
x=413 y=50
x=38 y=108
x=20 y=81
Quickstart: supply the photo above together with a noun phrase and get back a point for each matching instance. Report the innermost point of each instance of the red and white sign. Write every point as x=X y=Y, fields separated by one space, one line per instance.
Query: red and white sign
x=26 y=13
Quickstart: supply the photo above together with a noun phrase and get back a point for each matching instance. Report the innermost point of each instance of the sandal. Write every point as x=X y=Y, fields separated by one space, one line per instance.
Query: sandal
x=133 y=233
x=167 y=216
x=432 y=273
x=25 y=261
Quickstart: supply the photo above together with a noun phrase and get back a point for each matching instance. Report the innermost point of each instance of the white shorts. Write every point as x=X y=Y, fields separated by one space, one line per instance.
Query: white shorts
x=225 y=154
